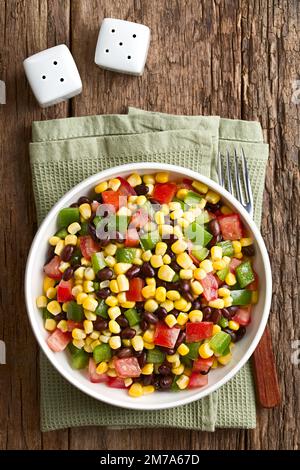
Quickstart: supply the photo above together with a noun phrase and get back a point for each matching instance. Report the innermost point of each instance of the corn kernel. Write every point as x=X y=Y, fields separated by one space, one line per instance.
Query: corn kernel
x=80 y=297
x=77 y=289
x=183 y=382
x=50 y=324
x=167 y=259
x=173 y=295
x=41 y=301
x=53 y=241
x=179 y=246
x=217 y=303
x=88 y=287
x=181 y=193
x=201 y=187
x=228 y=301
x=85 y=262
x=186 y=274
x=127 y=304
x=88 y=326
x=111 y=301
x=148 y=291
x=205 y=352
x=90 y=304
x=183 y=349
x=54 y=307
x=63 y=326
x=212 y=197
x=136 y=390
x=89 y=274
x=111 y=373
x=102 y=368
x=115 y=342
x=216 y=253
x=123 y=283
x=95 y=343
x=166 y=273
x=65 y=306
x=90 y=315
x=149 y=179
x=148 y=336
x=59 y=247
x=187 y=308
x=173 y=358
x=237 y=247
x=206 y=264
x=94 y=335
x=124 y=211
x=184 y=260
x=246 y=241
x=238 y=255
x=233 y=325
x=162 y=177
x=189 y=216
x=214 y=364
x=230 y=279
x=177 y=214
x=224 y=360
x=71 y=240
x=165 y=230
x=148 y=369
x=199 y=274
x=85 y=211
x=121 y=268
x=196 y=287
x=182 y=318
x=161 y=248
x=170 y=320
x=79 y=273
x=114 y=184
x=178 y=370
x=101 y=187
x=168 y=305
x=156 y=261
x=141 y=200
x=110 y=261
x=160 y=294
x=216 y=329
x=223 y=292
x=134 y=179
x=180 y=304
x=147 y=389
x=220 y=264
x=114 y=287
x=150 y=281
x=48 y=282
x=137 y=343
x=63 y=266
x=149 y=345
x=195 y=316
x=113 y=313
x=146 y=255
x=110 y=249
x=77 y=333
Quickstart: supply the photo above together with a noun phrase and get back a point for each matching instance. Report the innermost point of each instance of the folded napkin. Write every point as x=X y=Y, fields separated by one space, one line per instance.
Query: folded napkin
x=66 y=151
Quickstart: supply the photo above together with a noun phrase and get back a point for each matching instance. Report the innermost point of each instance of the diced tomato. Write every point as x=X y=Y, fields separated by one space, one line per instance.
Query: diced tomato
x=231 y=226
x=71 y=324
x=134 y=294
x=51 y=269
x=64 y=291
x=210 y=286
x=234 y=263
x=198 y=331
x=187 y=182
x=88 y=246
x=132 y=238
x=127 y=367
x=197 y=380
x=58 y=341
x=95 y=205
x=116 y=382
x=139 y=219
x=164 y=192
x=243 y=316
x=254 y=284
x=114 y=198
x=125 y=187
x=203 y=365
x=165 y=336
x=93 y=376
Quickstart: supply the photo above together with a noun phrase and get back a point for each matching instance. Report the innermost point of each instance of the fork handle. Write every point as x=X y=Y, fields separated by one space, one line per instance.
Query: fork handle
x=265 y=375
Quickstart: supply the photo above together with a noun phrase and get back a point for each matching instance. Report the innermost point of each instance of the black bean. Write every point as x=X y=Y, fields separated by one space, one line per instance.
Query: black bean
x=83 y=200
x=171 y=253
x=154 y=202
x=105 y=274
x=226 y=313
x=172 y=239
x=150 y=318
x=248 y=250
x=175 y=312
x=133 y=272
x=104 y=241
x=185 y=285
x=128 y=333
x=92 y=231
x=166 y=382
x=125 y=352
x=98 y=198
x=141 y=189
x=161 y=312
x=233 y=309
x=67 y=252
x=103 y=293
x=181 y=338
x=61 y=316
x=50 y=254
x=156 y=382
x=142 y=359
x=161 y=283
x=68 y=273
x=147 y=270
x=212 y=207
x=231 y=333
x=216 y=315
x=188 y=296
x=147 y=379
x=123 y=322
x=240 y=333
x=214 y=227
x=164 y=369
x=168 y=351
x=100 y=324
x=175 y=266
x=196 y=305
x=214 y=241
x=144 y=325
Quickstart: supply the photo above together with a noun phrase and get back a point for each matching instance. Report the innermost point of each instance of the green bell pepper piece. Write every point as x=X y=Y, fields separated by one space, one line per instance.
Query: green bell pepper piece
x=241 y=297
x=149 y=209
x=227 y=248
x=220 y=342
x=67 y=216
x=102 y=352
x=76 y=257
x=102 y=309
x=196 y=232
x=186 y=361
x=193 y=350
x=148 y=240
x=244 y=274
x=74 y=311
x=46 y=314
x=192 y=199
x=223 y=273
x=113 y=223
x=96 y=285
x=132 y=316
x=98 y=261
x=155 y=356
x=202 y=218
x=175 y=277
x=96 y=220
x=174 y=386
x=62 y=233
x=182 y=203
x=84 y=229
x=79 y=359
x=223 y=322
x=125 y=255
x=200 y=252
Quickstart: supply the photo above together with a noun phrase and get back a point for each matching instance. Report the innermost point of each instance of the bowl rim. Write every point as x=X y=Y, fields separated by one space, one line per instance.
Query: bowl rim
x=136 y=167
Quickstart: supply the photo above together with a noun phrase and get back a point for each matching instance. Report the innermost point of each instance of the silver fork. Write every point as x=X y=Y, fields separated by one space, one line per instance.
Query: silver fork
x=226 y=175
x=265 y=375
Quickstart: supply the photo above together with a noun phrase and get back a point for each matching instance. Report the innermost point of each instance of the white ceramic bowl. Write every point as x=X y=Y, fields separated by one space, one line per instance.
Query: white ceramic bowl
x=158 y=400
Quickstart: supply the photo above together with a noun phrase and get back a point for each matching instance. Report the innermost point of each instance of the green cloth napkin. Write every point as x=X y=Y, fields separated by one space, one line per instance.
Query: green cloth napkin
x=63 y=153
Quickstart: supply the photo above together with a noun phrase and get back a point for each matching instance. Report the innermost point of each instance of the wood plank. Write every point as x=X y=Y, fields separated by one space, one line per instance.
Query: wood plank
x=25 y=28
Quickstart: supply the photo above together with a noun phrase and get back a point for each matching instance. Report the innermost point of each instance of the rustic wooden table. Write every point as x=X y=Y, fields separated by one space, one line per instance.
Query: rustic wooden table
x=235 y=58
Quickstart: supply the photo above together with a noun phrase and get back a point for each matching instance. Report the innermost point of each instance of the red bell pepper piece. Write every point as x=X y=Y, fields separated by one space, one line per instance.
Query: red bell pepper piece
x=132 y=238
x=114 y=198
x=197 y=380
x=93 y=376
x=210 y=287
x=164 y=192
x=231 y=226
x=51 y=269
x=243 y=316
x=165 y=336
x=134 y=294
x=203 y=365
x=58 y=341
x=127 y=367
x=64 y=291
x=71 y=324
x=198 y=331
x=88 y=246
x=125 y=188
x=116 y=382
x=234 y=263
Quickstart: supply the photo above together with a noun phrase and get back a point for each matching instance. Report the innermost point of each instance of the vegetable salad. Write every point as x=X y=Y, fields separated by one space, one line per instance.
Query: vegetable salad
x=149 y=283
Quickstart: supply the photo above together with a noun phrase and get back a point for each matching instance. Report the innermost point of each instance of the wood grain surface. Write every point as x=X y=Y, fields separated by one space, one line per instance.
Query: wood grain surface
x=237 y=59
